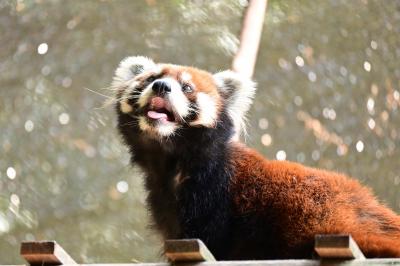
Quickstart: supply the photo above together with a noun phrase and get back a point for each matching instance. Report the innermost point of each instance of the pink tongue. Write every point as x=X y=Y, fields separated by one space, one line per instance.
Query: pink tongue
x=156 y=115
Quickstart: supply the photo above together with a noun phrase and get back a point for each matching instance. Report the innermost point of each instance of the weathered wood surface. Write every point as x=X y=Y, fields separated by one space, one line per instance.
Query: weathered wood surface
x=333 y=249
x=337 y=247
x=378 y=262
x=356 y=262
x=179 y=250
x=45 y=253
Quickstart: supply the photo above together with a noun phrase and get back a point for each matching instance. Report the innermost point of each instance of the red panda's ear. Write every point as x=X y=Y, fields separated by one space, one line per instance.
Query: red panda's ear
x=130 y=67
x=238 y=92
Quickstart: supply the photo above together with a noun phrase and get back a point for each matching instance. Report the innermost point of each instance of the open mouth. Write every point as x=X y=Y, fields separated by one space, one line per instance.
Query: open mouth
x=159 y=110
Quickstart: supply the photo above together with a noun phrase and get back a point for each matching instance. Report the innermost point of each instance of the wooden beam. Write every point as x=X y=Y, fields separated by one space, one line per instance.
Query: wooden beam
x=366 y=262
x=337 y=247
x=45 y=253
x=178 y=250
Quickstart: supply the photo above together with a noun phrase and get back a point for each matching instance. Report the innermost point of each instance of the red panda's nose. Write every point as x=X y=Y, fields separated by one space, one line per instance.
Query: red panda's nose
x=161 y=87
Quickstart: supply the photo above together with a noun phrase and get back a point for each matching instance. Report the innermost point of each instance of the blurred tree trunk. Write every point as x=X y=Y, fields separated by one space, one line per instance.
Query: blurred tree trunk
x=246 y=57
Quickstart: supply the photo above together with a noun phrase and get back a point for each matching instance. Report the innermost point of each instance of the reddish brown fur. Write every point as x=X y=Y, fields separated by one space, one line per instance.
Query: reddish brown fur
x=240 y=204
x=201 y=80
x=305 y=201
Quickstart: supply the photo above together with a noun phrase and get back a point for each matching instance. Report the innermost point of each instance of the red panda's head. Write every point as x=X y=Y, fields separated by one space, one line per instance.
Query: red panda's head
x=161 y=99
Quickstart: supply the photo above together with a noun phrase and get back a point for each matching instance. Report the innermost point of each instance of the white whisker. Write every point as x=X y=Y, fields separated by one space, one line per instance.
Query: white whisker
x=98 y=93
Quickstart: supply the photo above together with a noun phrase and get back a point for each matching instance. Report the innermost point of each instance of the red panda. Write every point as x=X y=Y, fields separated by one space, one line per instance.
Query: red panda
x=181 y=124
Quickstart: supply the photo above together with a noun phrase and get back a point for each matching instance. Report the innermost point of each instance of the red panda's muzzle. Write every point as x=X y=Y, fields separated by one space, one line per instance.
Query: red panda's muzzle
x=160 y=110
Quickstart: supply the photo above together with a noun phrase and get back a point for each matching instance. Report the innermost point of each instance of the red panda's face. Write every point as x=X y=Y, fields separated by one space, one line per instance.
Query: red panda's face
x=163 y=98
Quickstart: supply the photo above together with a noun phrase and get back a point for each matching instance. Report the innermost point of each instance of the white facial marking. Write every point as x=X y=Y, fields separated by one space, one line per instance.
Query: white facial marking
x=166 y=129
x=160 y=129
x=207 y=111
x=145 y=96
x=186 y=77
x=125 y=107
x=157 y=70
x=178 y=101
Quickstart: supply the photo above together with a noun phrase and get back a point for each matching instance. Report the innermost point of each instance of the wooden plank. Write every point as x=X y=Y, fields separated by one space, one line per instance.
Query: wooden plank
x=337 y=247
x=178 y=250
x=223 y=263
x=355 y=262
x=45 y=253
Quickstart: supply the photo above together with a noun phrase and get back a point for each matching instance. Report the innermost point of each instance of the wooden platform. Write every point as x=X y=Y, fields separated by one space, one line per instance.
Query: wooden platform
x=331 y=250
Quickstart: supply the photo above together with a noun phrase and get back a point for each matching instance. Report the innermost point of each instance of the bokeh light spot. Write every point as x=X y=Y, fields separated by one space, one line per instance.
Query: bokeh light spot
x=367 y=66
x=15 y=199
x=11 y=173
x=299 y=61
x=312 y=76
x=281 y=155
x=29 y=126
x=42 y=48
x=263 y=123
x=374 y=45
x=266 y=139
x=63 y=118
x=122 y=186
x=371 y=123
x=360 y=146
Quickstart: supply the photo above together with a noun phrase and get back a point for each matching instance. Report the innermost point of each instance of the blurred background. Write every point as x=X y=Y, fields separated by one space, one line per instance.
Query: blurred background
x=328 y=74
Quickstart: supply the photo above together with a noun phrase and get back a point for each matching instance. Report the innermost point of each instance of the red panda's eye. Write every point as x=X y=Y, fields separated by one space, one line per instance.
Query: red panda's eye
x=151 y=79
x=186 y=88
